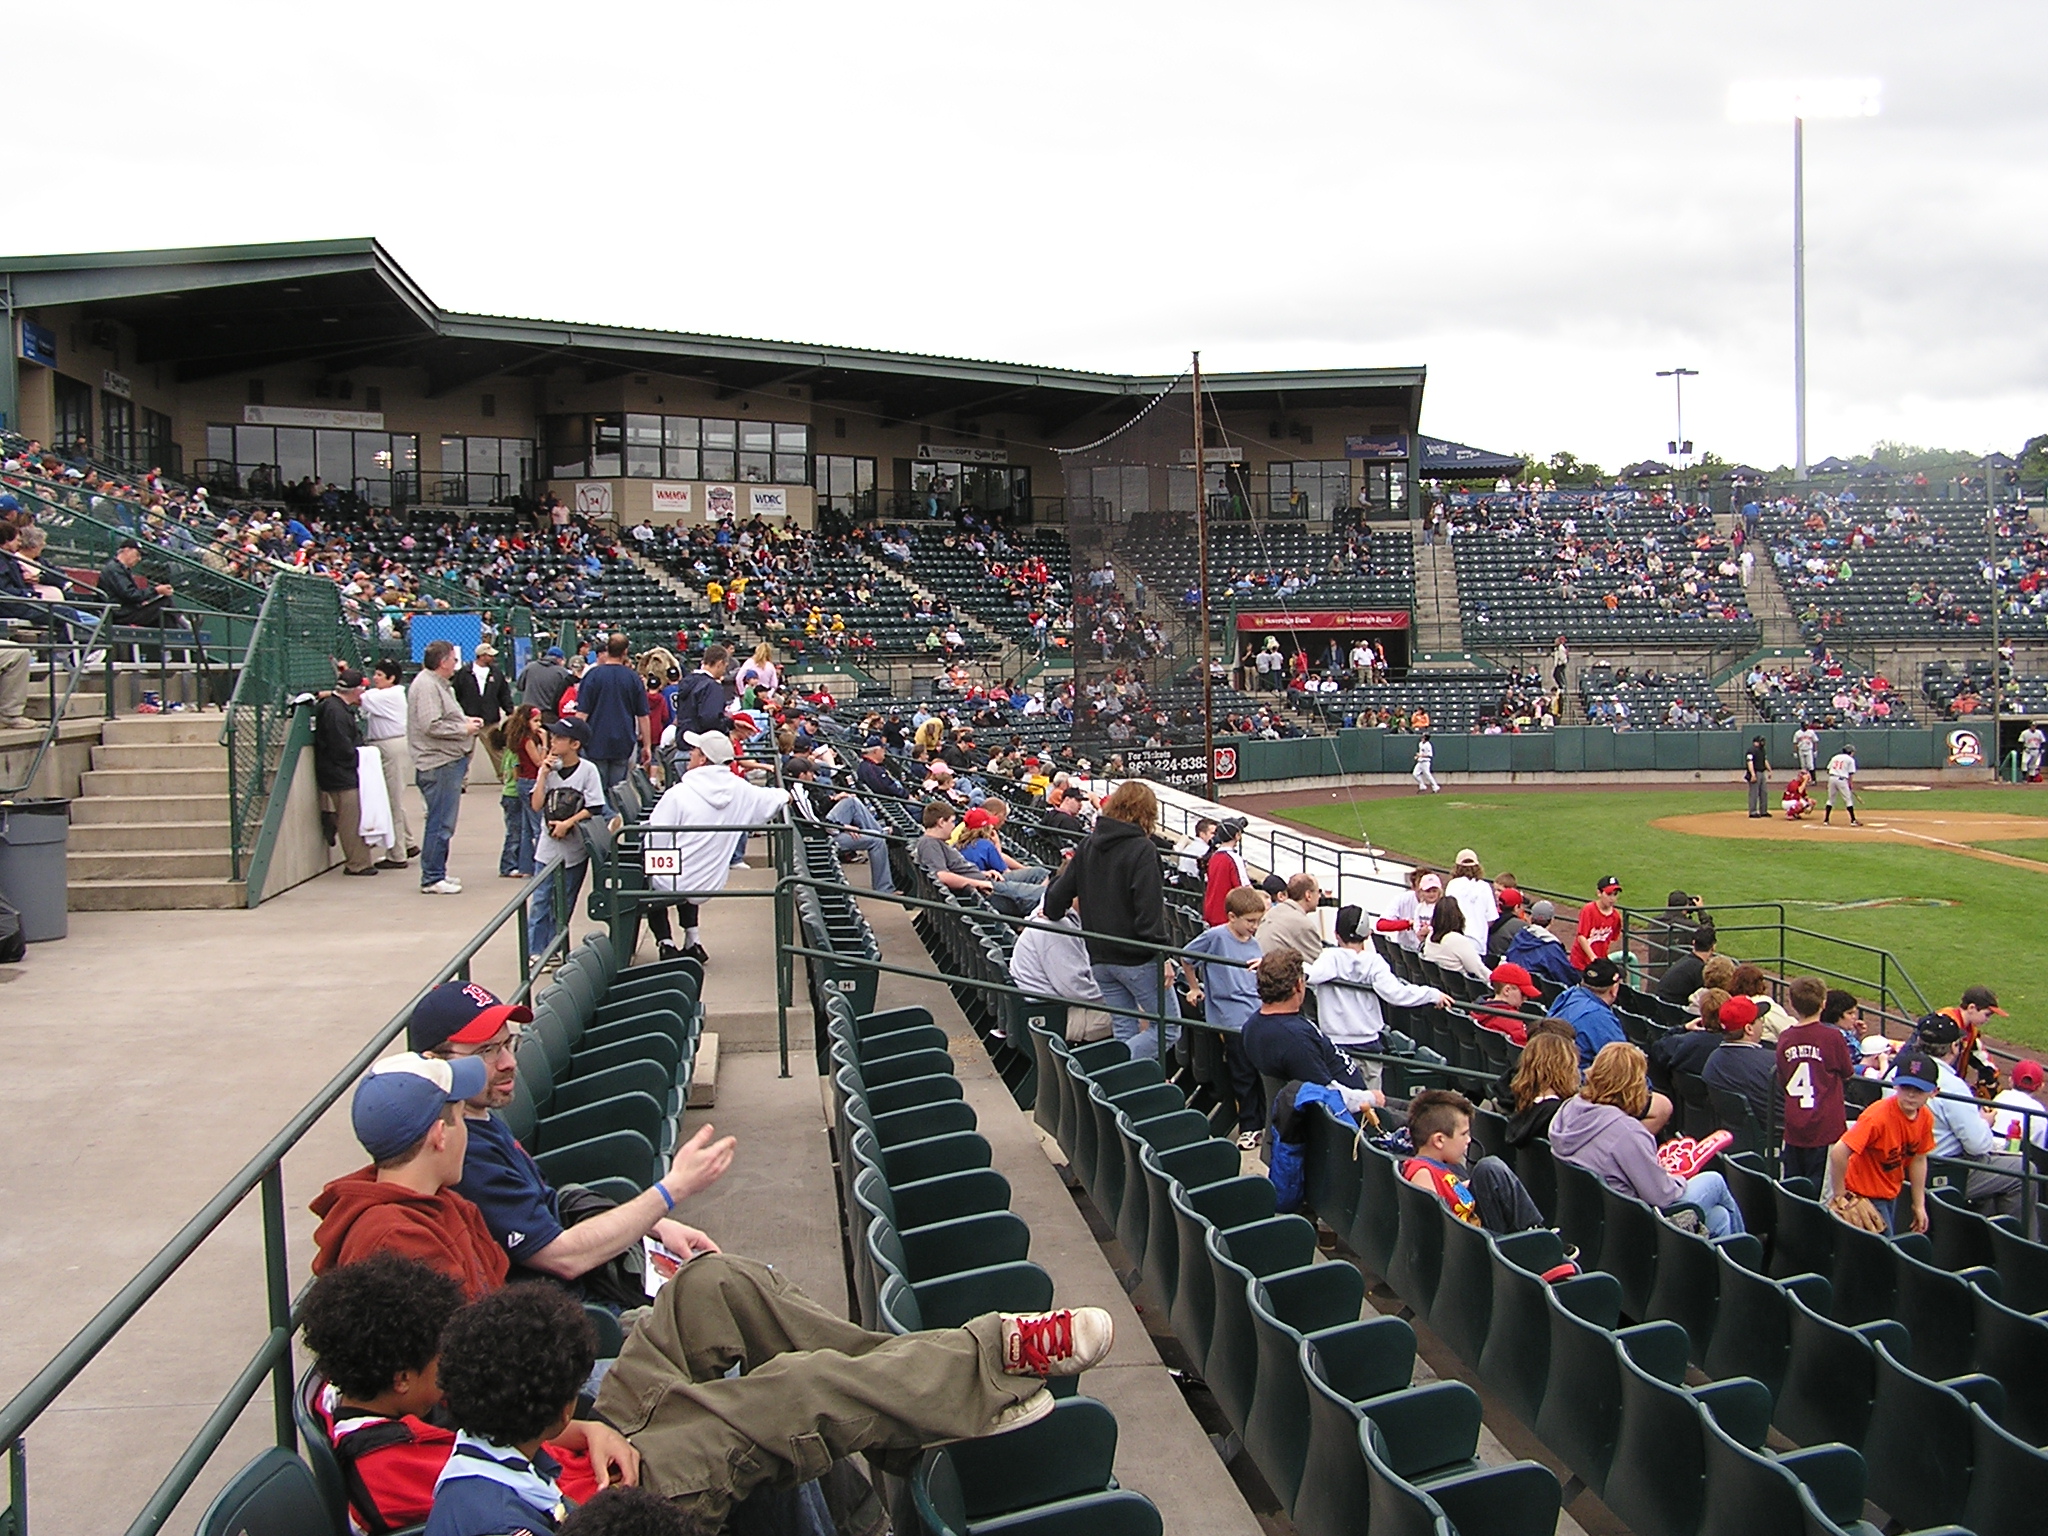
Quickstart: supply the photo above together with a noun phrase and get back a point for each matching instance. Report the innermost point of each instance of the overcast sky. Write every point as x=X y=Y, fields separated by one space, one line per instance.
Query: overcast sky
x=1543 y=204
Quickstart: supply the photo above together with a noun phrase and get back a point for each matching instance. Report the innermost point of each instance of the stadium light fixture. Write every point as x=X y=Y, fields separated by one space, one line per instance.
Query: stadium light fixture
x=1796 y=101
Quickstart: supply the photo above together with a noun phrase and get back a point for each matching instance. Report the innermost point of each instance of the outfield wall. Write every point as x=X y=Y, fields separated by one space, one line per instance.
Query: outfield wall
x=1585 y=749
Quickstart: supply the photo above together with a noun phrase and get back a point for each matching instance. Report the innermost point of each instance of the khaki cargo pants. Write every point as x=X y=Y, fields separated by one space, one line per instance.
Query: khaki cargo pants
x=814 y=1387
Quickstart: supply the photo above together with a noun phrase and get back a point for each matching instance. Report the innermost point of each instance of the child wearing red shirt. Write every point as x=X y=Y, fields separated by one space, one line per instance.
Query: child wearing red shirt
x=375 y=1327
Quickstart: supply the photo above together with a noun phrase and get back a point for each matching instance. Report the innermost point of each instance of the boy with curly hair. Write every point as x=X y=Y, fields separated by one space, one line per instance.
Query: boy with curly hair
x=375 y=1327
x=511 y=1366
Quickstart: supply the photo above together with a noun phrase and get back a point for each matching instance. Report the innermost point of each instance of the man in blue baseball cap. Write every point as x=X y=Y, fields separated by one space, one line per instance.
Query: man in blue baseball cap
x=408 y=1115
x=544 y=682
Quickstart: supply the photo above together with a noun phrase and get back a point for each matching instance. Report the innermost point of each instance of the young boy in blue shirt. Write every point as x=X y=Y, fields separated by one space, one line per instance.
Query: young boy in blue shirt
x=511 y=1366
x=1228 y=990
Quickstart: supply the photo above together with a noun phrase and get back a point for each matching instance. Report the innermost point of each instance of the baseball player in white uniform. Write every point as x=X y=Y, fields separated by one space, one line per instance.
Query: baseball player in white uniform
x=1806 y=742
x=1425 y=778
x=2033 y=747
x=1842 y=783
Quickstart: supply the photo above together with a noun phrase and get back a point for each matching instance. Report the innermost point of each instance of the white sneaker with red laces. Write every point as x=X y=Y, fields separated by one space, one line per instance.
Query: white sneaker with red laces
x=1062 y=1343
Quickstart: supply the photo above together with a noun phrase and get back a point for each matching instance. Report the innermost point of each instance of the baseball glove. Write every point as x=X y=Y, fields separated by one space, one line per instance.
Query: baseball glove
x=1857 y=1212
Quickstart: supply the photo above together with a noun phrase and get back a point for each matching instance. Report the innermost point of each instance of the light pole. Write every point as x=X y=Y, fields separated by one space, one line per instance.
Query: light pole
x=1679 y=446
x=1777 y=101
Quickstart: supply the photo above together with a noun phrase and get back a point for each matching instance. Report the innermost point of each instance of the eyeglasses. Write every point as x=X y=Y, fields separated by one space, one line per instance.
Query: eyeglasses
x=508 y=1042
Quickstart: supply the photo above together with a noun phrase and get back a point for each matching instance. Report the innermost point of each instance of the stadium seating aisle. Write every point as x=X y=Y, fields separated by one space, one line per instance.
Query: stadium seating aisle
x=1161 y=1450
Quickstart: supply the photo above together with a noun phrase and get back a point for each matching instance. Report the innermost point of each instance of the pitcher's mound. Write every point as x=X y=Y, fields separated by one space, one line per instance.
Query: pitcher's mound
x=1954 y=831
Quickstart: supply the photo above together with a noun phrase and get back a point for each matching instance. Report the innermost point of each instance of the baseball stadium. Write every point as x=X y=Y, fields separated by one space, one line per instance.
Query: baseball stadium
x=1076 y=952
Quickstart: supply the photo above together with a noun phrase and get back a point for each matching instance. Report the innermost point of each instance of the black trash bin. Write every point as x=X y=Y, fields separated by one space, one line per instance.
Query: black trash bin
x=33 y=835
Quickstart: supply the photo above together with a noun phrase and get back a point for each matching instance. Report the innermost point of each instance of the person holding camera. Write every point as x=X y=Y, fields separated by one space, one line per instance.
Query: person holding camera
x=568 y=792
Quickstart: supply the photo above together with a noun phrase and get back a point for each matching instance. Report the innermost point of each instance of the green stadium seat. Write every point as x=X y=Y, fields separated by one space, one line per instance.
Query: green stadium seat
x=1222 y=1206
x=2007 y=1474
x=274 y=1495
x=1288 y=1310
x=1236 y=1258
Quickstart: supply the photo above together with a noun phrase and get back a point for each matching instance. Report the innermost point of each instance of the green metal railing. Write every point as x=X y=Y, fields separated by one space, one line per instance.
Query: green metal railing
x=80 y=538
x=299 y=635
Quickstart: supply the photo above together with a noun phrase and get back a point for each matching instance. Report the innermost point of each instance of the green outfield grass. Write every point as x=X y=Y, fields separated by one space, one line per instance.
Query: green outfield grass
x=1951 y=920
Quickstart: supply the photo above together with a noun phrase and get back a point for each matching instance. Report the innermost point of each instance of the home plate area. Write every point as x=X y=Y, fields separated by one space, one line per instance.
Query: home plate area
x=1955 y=831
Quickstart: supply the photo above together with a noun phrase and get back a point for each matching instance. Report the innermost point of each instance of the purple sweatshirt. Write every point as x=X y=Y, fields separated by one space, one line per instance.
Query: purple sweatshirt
x=1617 y=1148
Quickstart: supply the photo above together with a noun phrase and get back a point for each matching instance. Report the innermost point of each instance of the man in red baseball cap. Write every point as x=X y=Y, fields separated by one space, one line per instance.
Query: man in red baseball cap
x=523 y=1211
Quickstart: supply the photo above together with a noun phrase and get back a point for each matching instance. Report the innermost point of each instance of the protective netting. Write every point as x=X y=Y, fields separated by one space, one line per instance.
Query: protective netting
x=1132 y=499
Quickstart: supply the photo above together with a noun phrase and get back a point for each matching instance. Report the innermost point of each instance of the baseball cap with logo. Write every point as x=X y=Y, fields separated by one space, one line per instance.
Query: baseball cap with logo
x=1609 y=883
x=403 y=1097
x=1602 y=972
x=978 y=818
x=1350 y=924
x=460 y=1013
x=1916 y=1071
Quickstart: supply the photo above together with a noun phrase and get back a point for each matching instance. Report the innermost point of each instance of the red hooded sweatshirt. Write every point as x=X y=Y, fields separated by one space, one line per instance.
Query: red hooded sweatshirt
x=359 y=1217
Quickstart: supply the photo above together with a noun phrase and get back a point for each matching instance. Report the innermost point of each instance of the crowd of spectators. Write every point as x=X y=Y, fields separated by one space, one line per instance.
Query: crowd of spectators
x=1828 y=692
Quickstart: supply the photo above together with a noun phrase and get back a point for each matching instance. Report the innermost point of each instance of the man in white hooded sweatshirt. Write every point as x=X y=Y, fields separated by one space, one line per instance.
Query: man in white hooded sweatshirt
x=709 y=794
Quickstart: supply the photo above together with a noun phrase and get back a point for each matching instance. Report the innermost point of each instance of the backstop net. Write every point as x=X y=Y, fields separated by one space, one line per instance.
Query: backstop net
x=1132 y=497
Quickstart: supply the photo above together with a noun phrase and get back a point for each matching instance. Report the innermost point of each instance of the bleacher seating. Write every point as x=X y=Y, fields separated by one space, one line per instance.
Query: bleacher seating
x=1911 y=567
x=1645 y=700
x=1834 y=694
x=1603 y=569
x=1278 y=565
x=1452 y=701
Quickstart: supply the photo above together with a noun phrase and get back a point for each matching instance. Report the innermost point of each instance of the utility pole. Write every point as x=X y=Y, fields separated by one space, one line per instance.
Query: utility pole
x=1202 y=588
x=1799 y=298
x=1997 y=664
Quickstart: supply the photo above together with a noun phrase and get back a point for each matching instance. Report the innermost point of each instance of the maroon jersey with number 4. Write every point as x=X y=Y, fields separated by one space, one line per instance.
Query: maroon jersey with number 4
x=1814 y=1062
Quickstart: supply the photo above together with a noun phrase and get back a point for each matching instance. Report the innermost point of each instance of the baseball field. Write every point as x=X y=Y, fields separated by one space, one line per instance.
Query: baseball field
x=1954 y=883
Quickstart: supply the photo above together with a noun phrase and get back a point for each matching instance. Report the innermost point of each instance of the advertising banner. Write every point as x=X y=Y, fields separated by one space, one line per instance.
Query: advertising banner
x=1324 y=618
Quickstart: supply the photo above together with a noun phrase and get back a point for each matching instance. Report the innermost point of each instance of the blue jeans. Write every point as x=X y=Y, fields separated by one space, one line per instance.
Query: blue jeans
x=442 y=790
x=1136 y=986
x=515 y=857
x=612 y=771
x=1709 y=1191
x=540 y=919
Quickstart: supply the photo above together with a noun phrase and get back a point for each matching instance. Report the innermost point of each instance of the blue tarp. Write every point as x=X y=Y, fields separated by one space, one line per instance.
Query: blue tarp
x=1441 y=457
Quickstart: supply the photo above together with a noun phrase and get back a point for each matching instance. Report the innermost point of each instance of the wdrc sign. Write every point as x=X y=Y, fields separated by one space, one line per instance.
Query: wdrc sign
x=1178 y=767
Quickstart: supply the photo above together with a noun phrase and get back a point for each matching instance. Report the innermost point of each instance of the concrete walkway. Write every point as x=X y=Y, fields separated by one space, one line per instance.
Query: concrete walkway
x=150 y=1055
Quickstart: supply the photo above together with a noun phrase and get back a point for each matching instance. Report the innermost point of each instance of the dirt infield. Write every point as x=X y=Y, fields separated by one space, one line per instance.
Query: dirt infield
x=1954 y=831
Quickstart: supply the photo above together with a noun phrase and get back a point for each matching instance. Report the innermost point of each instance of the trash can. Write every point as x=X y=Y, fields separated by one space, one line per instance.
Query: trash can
x=33 y=834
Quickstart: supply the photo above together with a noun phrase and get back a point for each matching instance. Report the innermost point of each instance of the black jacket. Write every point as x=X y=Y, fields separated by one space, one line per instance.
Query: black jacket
x=1287 y=1046
x=119 y=586
x=490 y=703
x=336 y=735
x=1114 y=878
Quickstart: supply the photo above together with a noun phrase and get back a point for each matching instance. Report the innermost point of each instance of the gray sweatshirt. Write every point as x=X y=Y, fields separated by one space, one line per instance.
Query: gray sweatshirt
x=1615 y=1146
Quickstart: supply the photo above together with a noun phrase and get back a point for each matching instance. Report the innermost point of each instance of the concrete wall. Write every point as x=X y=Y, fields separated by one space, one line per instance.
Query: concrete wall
x=301 y=851
x=68 y=757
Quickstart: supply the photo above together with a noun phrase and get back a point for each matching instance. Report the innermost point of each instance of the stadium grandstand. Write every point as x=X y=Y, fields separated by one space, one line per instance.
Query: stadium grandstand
x=857 y=1060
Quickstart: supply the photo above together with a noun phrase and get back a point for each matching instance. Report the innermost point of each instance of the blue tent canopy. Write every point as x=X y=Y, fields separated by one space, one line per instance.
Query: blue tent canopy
x=1445 y=459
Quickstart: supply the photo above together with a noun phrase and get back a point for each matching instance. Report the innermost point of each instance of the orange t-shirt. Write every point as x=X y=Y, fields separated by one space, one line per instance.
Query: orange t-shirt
x=1881 y=1143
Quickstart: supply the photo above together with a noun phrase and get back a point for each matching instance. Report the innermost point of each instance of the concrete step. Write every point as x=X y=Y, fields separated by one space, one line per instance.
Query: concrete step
x=152 y=864
x=91 y=810
x=156 y=895
x=77 y=707
x=154 y=781
x=160 y=754
x=147 y=836
x=185 y=726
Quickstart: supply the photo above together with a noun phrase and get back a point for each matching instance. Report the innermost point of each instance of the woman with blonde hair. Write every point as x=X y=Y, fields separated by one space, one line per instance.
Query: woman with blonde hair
x=1601 y=1131
x=1114 y=878
x=1547 y=1075
x=759 y=670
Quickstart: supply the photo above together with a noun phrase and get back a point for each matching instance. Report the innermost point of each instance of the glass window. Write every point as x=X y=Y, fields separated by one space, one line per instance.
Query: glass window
x=405 y=452
x=792 y=446
x=255 y=445
x=757 y=437
x=334 y=457
x=720 y=440
x=679 y=431
x=519 y=463
x=74 y=411
x=567 y=446
x=220 y=444
x=680 y=463
x=454 y=457
x=607 y=434
x=643 y=446
x=483 y=456
x=119 y=442
x=295 y=453
x=792 y=437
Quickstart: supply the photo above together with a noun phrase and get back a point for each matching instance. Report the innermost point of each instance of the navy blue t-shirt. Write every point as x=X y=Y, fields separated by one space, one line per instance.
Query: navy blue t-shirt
x=500 y=1179
x=611 y=699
